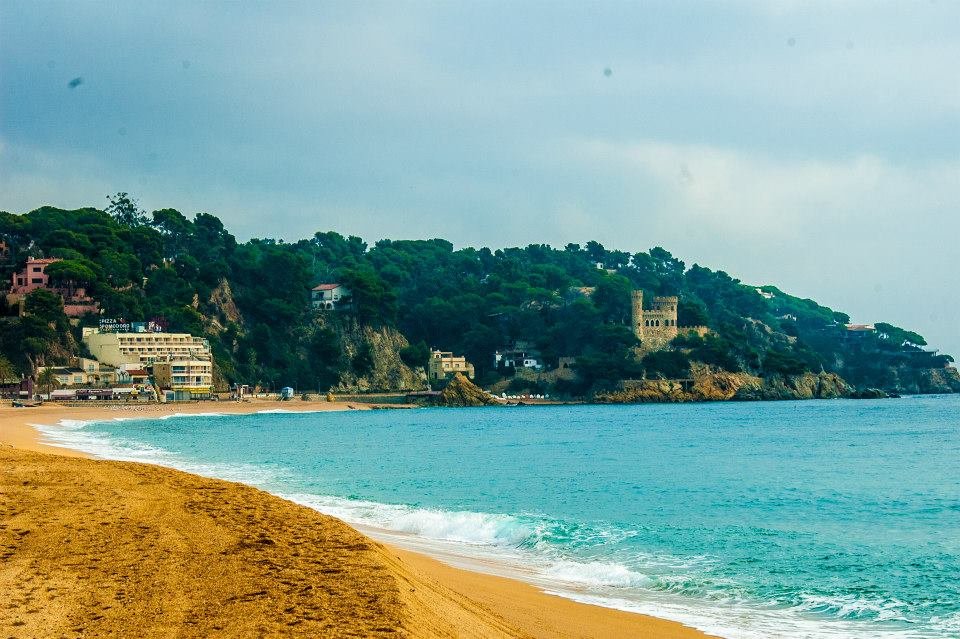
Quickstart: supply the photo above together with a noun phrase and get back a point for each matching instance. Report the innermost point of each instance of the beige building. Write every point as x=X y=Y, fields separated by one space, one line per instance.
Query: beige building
x=657 y=326
x=443 y=365
x=97 y=373
x=184 y=379
x=65 y=375
x=117 y=349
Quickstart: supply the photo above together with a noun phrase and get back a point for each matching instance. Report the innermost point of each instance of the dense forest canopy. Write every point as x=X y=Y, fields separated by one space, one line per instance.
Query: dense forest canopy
x=251 y=300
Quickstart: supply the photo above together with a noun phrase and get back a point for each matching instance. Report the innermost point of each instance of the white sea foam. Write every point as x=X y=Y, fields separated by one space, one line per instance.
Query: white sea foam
x=440 y=525
x=180 y=415
x=78 y=435
x=597 y=573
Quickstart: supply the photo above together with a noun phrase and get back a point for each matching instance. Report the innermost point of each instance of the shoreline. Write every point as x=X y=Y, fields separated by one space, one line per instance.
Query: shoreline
x=520 y=606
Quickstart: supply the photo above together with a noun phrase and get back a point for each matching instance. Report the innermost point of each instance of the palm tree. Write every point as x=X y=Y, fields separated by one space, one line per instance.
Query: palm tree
x=47 y=379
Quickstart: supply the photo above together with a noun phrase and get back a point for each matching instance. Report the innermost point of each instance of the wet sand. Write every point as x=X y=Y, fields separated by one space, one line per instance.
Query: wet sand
x=93 y=548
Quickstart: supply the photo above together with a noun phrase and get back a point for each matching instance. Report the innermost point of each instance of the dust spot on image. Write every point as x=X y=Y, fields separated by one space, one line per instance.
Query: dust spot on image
x=73 y=84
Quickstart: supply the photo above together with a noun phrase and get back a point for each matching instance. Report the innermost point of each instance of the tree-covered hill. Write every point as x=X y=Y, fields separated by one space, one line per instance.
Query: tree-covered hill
x=251 y=300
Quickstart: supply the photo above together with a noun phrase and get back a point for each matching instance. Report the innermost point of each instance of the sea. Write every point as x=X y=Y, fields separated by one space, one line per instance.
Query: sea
x=807 y=519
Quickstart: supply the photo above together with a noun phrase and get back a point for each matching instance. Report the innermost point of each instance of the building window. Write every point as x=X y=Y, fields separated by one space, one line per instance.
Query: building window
x=37 y=280
x=37 y=269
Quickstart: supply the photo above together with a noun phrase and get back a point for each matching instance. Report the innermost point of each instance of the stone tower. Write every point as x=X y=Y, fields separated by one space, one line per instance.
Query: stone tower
x=636 y=313
x=656 y=327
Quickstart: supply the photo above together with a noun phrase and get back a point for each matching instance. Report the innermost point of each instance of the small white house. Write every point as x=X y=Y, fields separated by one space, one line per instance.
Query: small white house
x=329 y=296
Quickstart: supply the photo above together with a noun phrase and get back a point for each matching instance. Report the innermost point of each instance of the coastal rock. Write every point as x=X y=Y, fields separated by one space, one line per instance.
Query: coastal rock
x=382 y=368
x=707 y=385
x=869 y=393
x=806 y=386
x=222 y=306
x=938 y=380
x=460 y=391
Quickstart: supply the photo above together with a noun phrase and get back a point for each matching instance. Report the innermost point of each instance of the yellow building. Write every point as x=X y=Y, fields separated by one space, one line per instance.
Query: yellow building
x=117 y=349
x=443 y=365
x=184 y=379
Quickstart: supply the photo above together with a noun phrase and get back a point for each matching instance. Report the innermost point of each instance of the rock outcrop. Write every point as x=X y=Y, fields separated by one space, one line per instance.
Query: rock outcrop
x=460 y=391
x=707 y=385
x=805 y=386
x=223 y=308
x=379 y=367
x=935 y=380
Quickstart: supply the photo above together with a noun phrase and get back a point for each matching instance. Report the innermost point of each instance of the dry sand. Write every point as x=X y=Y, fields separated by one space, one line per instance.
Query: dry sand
x=94 y=548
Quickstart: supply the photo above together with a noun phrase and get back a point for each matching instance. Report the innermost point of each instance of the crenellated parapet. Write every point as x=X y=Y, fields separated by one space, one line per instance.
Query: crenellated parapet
x=656 y=326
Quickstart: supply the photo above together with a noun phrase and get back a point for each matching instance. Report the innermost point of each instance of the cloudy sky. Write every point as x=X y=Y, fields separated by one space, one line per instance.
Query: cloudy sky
x=812 y=146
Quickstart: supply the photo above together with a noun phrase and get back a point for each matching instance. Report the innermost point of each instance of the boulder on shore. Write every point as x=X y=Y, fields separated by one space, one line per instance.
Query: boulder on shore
x=460 y=391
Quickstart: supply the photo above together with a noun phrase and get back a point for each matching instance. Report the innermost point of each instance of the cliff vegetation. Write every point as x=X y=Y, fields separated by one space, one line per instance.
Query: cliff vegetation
x=252 y=301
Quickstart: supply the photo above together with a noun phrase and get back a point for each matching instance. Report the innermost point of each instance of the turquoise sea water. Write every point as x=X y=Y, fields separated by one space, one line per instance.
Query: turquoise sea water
x=792 y=519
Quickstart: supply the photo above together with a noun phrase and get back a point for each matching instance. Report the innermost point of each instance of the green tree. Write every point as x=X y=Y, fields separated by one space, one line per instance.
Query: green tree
x=70 y=272
x=45 y=306
x=8 y=373
x=47 y=380
x=125 y=210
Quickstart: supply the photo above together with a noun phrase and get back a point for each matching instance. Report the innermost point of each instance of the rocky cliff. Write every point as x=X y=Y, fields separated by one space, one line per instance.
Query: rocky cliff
x=375 y=354
x=460 y=391
x=928 y=380
x=712 y=385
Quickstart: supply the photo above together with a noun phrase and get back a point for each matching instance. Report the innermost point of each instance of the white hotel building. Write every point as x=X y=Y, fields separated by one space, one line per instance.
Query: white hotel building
x=122 y=349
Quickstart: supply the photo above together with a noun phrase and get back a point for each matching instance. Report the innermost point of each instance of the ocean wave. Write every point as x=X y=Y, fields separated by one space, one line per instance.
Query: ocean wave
x=77 y=435
x=854 y=607
x=596 y=573
x=71 y=433
x=459 y=526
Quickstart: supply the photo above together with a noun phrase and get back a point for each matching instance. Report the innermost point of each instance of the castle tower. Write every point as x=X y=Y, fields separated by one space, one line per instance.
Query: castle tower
x=660 y=323
x=636 y=313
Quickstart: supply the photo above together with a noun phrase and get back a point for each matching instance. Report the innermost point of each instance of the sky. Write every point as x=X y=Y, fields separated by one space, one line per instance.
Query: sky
x=813 y=146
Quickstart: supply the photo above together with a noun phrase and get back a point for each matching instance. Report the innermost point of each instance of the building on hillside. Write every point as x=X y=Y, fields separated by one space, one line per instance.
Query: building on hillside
x=767 y=295
x=516 y=358
x=857 y=332
x=657 y=326
x=133 y=375
x=184 y=379
x=65 y=375
x=329 y=296
x=443 y=365
x=122 y=349
x=76 y=302
x=97 y=373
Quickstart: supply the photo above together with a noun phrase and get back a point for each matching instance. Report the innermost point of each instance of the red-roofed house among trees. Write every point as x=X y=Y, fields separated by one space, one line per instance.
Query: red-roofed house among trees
x=329 y=296
x=76 y=302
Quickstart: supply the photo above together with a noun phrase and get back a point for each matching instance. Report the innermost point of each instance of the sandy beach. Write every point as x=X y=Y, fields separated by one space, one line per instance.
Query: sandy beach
x=93 y=547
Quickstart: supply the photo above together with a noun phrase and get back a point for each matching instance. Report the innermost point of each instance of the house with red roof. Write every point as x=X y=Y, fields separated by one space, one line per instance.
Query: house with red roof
x=329 y=296
x=76 y=302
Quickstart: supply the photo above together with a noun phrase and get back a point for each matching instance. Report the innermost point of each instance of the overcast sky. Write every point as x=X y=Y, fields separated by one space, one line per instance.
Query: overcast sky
x=811 y=146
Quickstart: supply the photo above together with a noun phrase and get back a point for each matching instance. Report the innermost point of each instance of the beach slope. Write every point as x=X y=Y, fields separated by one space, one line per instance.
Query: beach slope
x=96 y=548
x=105 y=548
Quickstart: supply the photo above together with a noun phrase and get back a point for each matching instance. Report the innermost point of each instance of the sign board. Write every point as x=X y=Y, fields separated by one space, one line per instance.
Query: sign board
x=121 y=325
x=114 y=325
